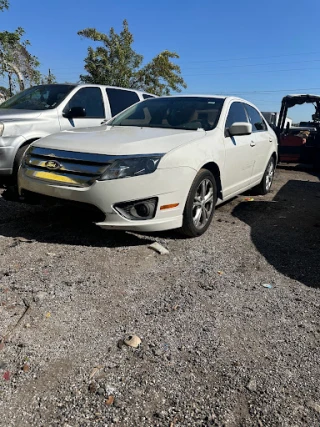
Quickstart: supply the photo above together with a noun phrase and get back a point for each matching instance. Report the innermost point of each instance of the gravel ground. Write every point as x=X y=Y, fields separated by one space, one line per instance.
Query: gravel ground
x=217 y=347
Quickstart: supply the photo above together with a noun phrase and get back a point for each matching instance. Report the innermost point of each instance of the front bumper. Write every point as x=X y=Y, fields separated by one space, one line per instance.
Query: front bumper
x=170 y=186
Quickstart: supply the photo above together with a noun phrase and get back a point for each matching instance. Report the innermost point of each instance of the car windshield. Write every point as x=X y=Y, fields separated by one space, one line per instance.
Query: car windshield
x=187 y=112
x=42 y=97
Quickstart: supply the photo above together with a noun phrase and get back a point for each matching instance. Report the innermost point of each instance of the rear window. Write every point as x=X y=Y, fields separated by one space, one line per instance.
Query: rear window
x=121 y=99
x=256 y=119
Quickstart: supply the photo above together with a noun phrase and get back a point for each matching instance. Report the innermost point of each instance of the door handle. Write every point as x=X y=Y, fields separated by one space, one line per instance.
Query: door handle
x=270 y=140
x=252 y=144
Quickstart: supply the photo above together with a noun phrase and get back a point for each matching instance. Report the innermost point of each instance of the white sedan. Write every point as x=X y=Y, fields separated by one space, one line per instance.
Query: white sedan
x=162 y=164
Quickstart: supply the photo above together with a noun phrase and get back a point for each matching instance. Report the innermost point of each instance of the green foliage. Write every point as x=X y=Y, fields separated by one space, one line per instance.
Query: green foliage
x=4 y=4
x=4 y=92
x=116 y=63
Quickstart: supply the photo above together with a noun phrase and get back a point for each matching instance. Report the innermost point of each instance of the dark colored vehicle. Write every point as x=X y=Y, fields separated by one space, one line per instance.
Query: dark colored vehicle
x=299 y=144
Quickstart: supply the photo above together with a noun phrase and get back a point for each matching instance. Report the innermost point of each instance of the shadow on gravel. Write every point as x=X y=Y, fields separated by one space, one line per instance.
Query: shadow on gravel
x=59 y=225
x=286 y=231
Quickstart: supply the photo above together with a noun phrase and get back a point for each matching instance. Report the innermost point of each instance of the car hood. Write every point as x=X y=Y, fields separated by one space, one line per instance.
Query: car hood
x=123 y=140
x=11 y=114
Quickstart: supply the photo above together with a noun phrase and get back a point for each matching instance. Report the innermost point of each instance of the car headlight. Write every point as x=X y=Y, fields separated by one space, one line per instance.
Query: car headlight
x=1 y=128
x=131 y=166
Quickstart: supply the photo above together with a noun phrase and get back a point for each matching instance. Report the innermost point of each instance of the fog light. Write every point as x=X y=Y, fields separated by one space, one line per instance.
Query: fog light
x=138 y=209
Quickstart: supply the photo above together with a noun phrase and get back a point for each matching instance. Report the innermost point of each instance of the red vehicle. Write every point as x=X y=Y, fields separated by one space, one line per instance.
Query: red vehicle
x=299 y=144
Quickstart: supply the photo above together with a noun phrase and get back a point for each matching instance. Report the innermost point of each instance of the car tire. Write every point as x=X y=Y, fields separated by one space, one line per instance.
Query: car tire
x=200 y=204
x=265 y=185
x=17 y=162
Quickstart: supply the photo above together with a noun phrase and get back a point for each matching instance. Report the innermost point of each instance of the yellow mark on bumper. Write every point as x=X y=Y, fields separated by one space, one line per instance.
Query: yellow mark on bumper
x=54 y=177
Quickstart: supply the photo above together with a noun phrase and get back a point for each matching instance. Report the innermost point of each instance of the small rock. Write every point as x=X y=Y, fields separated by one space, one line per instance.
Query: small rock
x=3 y=365
x=132 y=341
x=24 y=240
x=40 y=296
x=157 y=352
x=159 y=248
x=252 y=385
x=100 y=391
x=26 y=368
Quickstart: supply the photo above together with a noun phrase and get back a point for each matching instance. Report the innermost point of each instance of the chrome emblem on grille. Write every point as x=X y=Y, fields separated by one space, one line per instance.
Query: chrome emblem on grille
x=53 y=165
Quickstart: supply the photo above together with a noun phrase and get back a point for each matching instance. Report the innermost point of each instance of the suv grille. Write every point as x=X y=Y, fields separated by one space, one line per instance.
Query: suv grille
x=65 y=167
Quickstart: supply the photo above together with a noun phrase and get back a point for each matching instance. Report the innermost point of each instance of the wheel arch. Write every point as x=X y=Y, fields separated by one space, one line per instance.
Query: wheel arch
x=215 y=170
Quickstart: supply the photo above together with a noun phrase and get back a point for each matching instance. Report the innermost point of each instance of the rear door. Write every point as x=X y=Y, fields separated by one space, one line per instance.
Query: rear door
x=239 y=160
x=89 y=98
x=261 y=143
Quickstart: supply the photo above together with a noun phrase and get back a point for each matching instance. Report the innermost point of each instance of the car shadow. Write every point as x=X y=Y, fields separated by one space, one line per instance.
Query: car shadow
x=58 y=224
x=286 y=230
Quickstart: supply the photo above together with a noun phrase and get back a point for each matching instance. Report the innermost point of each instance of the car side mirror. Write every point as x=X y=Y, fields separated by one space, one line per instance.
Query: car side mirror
x=75 y=112
x=240 y=128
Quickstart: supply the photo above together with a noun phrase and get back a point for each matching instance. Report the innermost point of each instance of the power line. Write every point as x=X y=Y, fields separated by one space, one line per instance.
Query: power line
x=256 y=57
x=76 y=70
x=272 y=91
x=253 y=72
x=265 y=64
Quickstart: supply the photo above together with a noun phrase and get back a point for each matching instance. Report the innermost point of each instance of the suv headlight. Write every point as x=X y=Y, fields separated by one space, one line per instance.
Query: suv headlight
x=131 y=166
x=1 y=128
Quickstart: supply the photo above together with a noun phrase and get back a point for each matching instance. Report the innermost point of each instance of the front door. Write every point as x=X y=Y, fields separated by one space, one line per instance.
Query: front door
x=239 y=160
x=89 y=98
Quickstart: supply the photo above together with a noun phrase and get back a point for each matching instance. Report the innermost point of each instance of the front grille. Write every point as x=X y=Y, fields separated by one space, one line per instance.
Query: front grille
x=65 y=167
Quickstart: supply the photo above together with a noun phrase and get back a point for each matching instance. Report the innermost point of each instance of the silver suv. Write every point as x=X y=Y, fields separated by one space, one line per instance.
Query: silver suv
x=46 y=109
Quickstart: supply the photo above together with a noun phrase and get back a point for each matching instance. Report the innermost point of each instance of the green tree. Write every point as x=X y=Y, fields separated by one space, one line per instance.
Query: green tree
x=115 y=63
x=15 y=59
x=4 y=93
x=4 y=4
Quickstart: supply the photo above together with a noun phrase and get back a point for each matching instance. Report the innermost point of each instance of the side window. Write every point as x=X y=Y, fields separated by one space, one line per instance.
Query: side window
x=89 y=98
x=258 y=124
x=236 y=114
x=146 y=96
x=121 y=99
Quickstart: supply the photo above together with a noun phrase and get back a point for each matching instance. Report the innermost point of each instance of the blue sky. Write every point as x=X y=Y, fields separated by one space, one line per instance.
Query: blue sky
x=257 y=50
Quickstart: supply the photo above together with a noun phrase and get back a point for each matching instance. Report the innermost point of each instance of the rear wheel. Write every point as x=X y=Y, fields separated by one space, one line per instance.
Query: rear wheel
x=265 y=185
x=200 y=204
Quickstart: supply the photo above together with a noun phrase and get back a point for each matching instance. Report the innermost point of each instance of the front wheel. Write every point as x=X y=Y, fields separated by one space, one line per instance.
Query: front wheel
x=200 y=204
x=265 y=185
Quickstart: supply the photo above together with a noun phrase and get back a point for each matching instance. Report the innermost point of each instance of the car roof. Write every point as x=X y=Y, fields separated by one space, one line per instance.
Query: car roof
x=98 y=85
